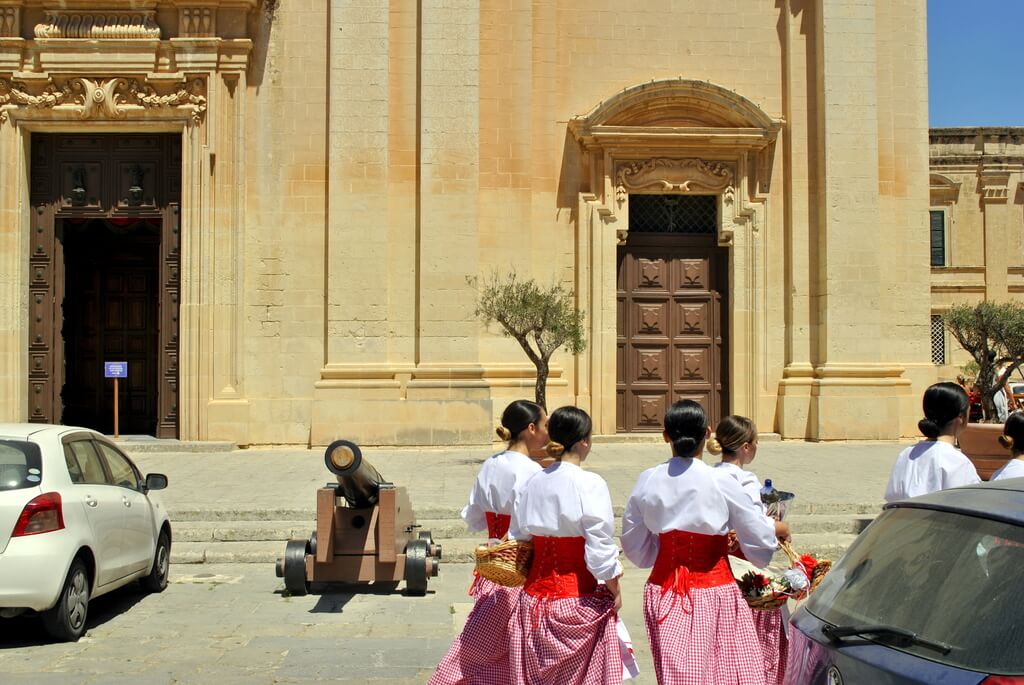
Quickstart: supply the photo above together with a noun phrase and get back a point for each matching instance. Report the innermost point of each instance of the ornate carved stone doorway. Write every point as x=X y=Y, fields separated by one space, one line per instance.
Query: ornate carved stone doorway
x=104 y=286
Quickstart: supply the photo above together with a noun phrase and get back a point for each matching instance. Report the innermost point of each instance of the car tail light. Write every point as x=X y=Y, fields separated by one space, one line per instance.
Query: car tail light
x=43 y=514
x=1003 y=680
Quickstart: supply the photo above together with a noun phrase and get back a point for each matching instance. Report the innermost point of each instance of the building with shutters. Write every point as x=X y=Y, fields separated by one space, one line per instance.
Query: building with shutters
x=273 y=212
x=976 y=226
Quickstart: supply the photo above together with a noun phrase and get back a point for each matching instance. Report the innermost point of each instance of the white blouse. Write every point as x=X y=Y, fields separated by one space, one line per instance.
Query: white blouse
x=928 y=466
x=1012 y=469
x=563 y=501
x=496 y=485
x=748 y=481
x=688 y=495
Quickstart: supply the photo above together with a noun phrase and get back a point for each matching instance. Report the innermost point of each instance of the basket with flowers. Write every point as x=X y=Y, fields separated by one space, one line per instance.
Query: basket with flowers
x=770 y=591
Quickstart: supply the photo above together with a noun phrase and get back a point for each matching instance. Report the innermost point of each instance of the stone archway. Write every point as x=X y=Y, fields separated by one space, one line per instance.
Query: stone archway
x=673 y=136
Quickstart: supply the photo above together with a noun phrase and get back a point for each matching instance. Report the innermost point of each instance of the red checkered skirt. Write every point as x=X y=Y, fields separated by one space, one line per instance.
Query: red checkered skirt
x=705 y=637
x=774 y=644
x=480 y=655
x=565 y=641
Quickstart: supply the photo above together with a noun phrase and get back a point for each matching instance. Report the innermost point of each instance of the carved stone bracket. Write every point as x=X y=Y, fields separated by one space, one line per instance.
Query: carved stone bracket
x=994 y=185
x=10 y=22
x=111 y=98
x=678 y=175
x=98 y=25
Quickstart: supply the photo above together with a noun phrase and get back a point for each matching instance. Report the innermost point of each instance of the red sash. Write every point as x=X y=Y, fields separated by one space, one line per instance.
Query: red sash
x=559 y=569
x=690 y=560
x=497 y=524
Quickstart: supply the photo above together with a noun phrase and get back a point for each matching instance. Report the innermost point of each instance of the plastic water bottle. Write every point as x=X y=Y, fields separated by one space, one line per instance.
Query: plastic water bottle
x=769 y=495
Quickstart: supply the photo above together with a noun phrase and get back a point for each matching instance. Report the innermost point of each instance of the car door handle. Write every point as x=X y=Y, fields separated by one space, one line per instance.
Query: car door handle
x=127 y=502
x=91 y=502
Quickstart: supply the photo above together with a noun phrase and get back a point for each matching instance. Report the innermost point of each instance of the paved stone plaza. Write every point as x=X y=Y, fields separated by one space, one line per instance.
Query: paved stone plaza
x=230 y=623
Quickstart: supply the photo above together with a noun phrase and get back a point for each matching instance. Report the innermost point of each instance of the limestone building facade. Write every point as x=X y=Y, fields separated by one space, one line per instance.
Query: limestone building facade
x=976 y=226
x=274 y=212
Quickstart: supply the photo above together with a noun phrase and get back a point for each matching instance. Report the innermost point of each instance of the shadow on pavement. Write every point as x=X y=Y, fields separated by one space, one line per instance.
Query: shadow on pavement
x=27 y=630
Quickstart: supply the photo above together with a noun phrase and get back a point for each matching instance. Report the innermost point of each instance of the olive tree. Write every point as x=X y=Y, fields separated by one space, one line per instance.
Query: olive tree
x=542 y=319
x=993 y=334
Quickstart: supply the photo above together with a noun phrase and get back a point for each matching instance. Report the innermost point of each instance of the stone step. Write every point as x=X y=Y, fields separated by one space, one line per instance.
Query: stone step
x=441 y=529
x=241 y=513
x=146 y=444
x=821 y=545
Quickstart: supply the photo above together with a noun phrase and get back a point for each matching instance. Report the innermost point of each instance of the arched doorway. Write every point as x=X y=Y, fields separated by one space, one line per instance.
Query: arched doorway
x=677 y=138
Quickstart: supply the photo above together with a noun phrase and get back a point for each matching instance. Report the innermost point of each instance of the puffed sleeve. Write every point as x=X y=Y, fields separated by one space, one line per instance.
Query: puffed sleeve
x=639 y=544
x=961 y=473
x=754 y=530
x=473 y=513
x=515 y=530
x=600 y=550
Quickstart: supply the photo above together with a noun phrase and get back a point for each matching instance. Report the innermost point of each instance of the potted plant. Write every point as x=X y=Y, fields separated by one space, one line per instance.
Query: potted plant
x=993 y=334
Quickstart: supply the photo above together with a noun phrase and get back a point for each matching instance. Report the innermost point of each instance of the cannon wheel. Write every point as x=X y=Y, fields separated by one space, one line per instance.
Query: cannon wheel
x=416 y=568
x=295 y=567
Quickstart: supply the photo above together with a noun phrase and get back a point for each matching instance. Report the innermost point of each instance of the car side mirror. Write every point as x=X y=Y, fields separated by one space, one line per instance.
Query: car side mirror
x=156 y=481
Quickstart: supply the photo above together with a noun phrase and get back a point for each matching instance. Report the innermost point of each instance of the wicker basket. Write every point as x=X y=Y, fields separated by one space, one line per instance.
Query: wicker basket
x=506 y=563
x=775 y=600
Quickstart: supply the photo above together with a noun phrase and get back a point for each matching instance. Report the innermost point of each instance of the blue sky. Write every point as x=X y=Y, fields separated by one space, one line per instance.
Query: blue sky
x=976 y=62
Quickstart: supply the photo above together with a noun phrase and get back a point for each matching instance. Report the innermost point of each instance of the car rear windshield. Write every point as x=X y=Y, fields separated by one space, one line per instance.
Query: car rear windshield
x=950 y=578
x=20 y=465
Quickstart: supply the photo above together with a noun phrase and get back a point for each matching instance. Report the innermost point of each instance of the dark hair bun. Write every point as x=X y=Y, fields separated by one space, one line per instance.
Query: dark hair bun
x=503 y=433
x=1013 y=432
x=686 y=424
x=555 y=449
x=517 y=417
x=1006 y=441
x=566 y=427
x=929 y=428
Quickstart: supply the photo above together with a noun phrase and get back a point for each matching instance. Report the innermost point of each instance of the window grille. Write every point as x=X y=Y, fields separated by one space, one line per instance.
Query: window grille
x=687 y=214
x=938 y=234
x=938 y=340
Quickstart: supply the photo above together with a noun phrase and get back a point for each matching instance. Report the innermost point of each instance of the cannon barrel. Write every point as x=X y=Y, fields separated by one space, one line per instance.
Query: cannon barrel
x=358 y=481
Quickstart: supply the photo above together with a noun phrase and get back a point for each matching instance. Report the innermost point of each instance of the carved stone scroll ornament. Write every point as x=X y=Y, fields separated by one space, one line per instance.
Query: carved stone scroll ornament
x=98 y=25
x=103 y=98
x=681 y=175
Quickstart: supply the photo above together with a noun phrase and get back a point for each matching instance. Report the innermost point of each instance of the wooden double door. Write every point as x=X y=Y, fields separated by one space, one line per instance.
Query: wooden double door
x=671 y=324
x=104 y=280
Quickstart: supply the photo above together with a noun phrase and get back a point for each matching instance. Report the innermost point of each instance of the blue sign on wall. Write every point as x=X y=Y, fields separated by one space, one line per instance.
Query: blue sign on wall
x=115 y=369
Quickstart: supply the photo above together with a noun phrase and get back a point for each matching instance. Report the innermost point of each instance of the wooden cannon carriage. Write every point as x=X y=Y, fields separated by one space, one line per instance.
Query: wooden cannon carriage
x=366 y=531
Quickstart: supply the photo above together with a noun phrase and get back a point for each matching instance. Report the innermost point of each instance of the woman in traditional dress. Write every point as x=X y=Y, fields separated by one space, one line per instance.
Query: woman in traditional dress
x=1013 y=440
x=565 y=628
x=678 y=520
x=480 y=655
x=935 y=463
x=735 y=438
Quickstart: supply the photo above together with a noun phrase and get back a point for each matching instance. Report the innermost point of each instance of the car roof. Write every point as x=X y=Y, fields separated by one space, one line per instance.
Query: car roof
x=25 y=431
x=1001 y=500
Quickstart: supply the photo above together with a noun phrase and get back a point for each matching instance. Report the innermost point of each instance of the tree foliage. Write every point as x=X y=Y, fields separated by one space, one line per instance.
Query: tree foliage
x=542 y=319
x=993 y=334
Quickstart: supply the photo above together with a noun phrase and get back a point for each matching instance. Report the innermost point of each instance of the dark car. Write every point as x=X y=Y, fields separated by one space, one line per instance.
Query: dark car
x=931 y=592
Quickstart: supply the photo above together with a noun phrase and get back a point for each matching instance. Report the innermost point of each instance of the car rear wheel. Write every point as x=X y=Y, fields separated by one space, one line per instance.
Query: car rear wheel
x=156 y=581
x=66 y=620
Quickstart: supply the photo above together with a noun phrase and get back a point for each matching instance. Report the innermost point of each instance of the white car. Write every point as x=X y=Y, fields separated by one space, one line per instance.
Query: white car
x=76 y=521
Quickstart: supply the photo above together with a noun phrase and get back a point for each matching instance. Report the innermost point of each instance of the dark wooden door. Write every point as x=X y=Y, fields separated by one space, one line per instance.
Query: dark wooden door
x=122 y=179
x=110 y=314
x=671 y=300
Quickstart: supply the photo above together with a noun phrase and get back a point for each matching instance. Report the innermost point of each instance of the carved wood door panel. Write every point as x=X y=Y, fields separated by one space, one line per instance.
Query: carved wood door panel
x=670 y=328
x=170 y=286
x=46 y=292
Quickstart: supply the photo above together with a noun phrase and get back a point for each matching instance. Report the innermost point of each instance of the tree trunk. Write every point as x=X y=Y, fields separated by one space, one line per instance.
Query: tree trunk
x=540 y=389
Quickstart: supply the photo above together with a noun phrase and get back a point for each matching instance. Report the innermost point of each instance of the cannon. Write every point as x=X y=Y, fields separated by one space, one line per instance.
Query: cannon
x=366 y=532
